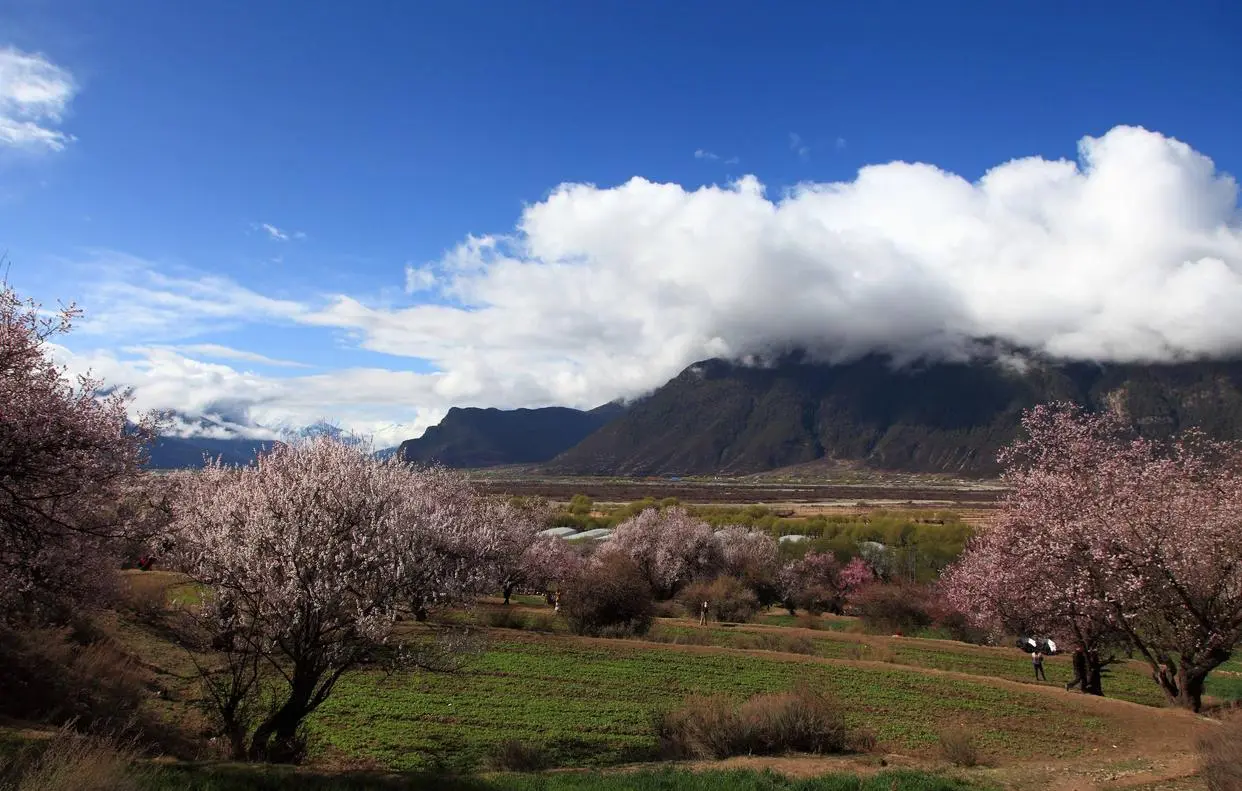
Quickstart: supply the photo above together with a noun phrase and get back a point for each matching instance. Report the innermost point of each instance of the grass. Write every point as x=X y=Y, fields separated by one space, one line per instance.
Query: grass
x=591 y=703
x=237 y=778
x=1129 y=680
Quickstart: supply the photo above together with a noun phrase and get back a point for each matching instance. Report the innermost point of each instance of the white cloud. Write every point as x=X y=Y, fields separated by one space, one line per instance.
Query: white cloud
x=130 y=298
x=839 y=144
x=799 y=146
x=713 y=157
x=34 y=98
x=273 y=232
x=218 y=352
x=1133 y=253
x=370 y=402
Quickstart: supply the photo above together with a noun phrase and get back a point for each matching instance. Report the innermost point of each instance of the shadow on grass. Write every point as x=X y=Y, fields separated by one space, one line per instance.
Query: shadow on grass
x=263 y=778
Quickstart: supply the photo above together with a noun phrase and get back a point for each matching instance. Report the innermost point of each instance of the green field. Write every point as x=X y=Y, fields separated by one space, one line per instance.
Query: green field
x=590 y=703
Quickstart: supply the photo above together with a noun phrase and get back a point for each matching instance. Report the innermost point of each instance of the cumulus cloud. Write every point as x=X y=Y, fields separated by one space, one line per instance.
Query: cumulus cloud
x=1133 y=252
x=34 y=97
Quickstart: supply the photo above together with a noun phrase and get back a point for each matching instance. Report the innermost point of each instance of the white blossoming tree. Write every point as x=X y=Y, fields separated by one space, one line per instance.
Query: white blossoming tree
x=307 y=557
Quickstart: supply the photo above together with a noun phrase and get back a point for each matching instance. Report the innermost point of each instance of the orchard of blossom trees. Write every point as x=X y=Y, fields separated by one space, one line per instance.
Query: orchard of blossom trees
x=1108 y=536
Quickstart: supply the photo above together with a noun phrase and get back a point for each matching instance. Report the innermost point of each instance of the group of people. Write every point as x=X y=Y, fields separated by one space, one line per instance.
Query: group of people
x=1086 y=669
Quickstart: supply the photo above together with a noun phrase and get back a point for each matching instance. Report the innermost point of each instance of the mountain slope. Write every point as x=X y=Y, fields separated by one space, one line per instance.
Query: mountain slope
x=720 y=417
x=172 y=453
x=473 y=437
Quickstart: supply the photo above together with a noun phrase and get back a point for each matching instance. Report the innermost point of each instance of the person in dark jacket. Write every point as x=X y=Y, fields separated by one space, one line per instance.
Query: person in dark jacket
x=1080 y=670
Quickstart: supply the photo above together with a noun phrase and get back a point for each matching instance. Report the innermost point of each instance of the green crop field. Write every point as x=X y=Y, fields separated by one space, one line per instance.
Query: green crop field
x=590 y=703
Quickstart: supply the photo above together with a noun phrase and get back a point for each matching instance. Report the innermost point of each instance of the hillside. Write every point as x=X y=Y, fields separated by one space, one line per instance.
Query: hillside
x=473 y=437
x=726 y=418
x=171 y=453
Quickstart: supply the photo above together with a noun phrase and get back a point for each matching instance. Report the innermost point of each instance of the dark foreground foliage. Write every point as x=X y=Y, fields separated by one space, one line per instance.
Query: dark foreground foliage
x=250 y=779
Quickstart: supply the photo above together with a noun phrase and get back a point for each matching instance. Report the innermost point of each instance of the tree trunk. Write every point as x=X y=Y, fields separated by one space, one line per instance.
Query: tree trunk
x=1190 y=688
x=1093 y=684
x=275 y=740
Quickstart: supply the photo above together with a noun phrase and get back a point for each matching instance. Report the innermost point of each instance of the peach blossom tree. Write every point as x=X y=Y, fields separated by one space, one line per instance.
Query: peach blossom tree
x=670 y=547
x=71 y=489
x=309 y=556
x=1107 y=532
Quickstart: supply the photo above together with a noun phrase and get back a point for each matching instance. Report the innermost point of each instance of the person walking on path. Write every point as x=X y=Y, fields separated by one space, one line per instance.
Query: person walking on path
x=1037 y=660
x=703 y=615
x=1080 y=670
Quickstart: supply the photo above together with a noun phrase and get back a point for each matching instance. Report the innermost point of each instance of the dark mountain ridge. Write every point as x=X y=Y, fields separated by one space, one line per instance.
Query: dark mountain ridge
x=474 y=437
x=727 y=418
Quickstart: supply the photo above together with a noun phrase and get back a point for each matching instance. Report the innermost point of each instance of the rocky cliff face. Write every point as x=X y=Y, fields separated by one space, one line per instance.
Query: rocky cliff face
x=489 y=437
x=721 y=417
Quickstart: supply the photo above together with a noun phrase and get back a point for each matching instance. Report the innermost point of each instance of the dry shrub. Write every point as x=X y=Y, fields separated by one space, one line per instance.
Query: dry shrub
x=808 y=621
x=958 y=747
x=73 y=762
x=610 y=598
x=505 y=618
x=670 y=609
x=893 y=608
x=147 y=602
x=1220 y=756
x=45 y=676
x=515 y=755
x=716 y=727
x=728 y=600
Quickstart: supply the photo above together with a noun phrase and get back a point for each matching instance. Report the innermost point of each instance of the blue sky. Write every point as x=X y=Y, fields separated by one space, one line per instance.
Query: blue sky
x=371 y=192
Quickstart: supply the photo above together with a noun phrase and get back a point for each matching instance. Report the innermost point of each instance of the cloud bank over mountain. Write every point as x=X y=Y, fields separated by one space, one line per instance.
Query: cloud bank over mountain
x=1131 y=253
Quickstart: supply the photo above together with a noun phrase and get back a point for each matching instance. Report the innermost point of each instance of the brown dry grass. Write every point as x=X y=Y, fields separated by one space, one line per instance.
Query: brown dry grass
x=1220 y=756
x=715 y=726
x=72 y=762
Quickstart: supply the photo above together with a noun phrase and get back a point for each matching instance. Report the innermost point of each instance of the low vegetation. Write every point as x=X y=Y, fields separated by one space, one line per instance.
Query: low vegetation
x=717 y=727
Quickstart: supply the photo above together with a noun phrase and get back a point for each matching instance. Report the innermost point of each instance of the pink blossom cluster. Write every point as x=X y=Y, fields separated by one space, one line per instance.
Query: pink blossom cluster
x=1105 y=532
x=70 y=464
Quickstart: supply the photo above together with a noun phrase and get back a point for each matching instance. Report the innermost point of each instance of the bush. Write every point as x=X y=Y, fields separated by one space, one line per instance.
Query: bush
x=808 y=621
x=504 y=619
x=958 y=627
x=72 y=762
x=893 y=608
x=728 y=600
x=958 y=747
x=716 y=727
x=1220 y=757
x=541 y=622
x=670 y=609
x=515 y=755
x=46 y=677
x=609 y=598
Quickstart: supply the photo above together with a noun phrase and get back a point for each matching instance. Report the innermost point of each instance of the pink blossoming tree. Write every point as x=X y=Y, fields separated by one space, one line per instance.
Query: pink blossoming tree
x=1106 y=532
x=752 y=557
x=670 y=547
x=71 y=493
x=816 y=583
x=308 y=557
